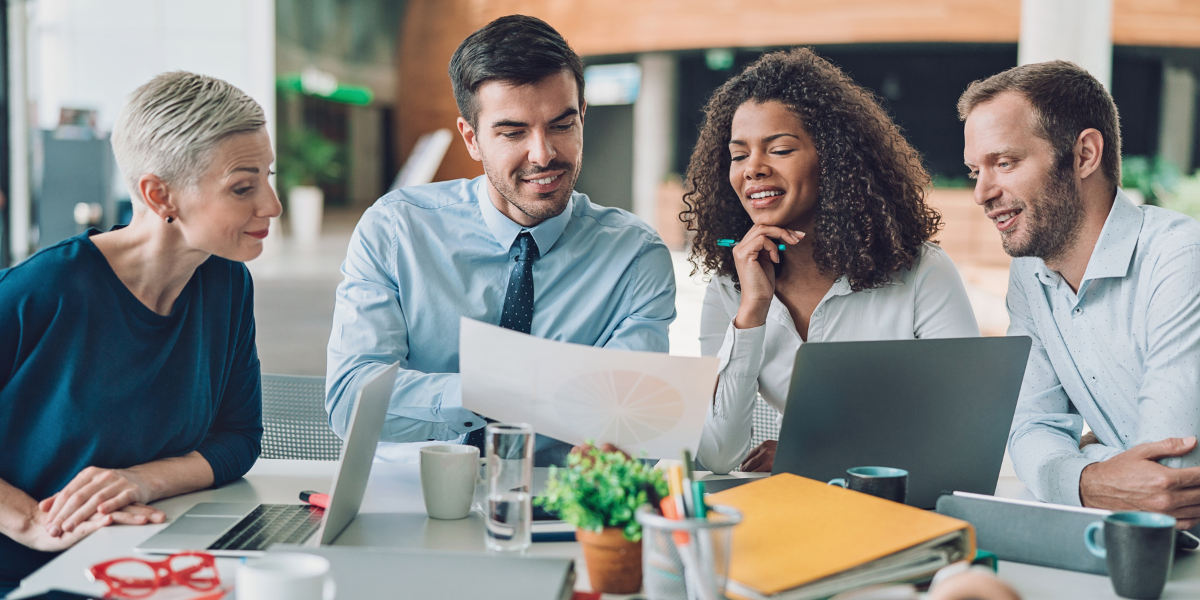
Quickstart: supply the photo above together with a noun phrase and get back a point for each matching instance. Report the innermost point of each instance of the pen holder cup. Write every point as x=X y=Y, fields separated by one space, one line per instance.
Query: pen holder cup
x=691 y=554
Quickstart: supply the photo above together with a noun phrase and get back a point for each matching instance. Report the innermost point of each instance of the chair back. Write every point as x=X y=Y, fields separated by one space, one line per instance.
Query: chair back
x=295 y=424
x=764 y=423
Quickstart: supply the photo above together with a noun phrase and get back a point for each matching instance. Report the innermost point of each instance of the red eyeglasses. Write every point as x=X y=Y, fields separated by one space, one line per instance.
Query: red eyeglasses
x=138 y=578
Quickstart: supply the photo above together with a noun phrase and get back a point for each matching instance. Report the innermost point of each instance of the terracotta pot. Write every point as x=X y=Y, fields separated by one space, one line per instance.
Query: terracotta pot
x=614 y=564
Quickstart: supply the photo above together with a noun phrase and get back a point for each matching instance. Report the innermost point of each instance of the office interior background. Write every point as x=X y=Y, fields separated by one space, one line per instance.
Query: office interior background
x=358 y=101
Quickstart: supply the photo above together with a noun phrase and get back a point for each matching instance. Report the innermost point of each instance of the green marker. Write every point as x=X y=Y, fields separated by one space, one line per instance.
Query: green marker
x=698 y=499
x=732 y=243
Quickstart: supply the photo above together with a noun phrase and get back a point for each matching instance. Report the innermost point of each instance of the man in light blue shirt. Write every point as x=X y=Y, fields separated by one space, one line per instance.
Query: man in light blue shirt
x=1109 y=292
x=515 y=247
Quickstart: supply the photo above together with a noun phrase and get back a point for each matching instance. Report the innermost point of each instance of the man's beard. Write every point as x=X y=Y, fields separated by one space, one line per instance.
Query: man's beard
x=545 y=206
x=1052 y=227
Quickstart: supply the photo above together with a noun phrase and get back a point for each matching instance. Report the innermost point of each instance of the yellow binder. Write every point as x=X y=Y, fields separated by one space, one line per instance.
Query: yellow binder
x=803 y=539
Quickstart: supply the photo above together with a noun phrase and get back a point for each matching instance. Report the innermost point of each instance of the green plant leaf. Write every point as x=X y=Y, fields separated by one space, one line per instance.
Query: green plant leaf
x=601 y=489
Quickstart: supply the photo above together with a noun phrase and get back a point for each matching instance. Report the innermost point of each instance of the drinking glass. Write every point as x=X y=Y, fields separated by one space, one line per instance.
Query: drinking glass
x=510 y=486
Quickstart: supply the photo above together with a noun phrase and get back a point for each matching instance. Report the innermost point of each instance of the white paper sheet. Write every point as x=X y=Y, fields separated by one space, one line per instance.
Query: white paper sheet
x=637 y=401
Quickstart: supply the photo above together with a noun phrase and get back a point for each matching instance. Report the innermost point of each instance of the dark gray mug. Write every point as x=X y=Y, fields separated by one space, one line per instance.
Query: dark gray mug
x=881 y=482
x=1139 y=548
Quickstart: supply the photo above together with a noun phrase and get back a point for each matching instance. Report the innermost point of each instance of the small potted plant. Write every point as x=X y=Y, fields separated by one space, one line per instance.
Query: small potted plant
x=598 y=492
x=307 y=159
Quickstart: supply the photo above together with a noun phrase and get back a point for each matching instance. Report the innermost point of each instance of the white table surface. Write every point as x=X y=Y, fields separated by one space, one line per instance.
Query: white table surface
x=393 y=515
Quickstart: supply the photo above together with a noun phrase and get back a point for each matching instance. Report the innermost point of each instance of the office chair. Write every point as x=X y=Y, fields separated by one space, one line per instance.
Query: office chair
x=764 y=423
x=295 y=424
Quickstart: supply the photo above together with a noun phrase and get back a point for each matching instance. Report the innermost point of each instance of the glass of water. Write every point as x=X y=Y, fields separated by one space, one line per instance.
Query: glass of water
x=510 y=486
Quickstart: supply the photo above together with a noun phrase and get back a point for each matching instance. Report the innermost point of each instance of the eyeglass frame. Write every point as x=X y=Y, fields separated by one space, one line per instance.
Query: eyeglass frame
x=164 y=575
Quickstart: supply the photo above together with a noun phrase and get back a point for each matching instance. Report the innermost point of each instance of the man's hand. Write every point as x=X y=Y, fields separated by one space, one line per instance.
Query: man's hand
x=761 y=459
x=1133 y=480
x=96 y=491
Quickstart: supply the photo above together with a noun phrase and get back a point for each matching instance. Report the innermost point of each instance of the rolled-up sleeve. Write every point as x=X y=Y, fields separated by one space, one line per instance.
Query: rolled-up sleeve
x=369 y=333
x=725 y=441
x=1044 y=439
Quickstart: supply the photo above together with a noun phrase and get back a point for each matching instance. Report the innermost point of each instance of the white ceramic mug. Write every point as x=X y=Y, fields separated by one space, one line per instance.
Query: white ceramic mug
x=449 y=473
x=285 y=576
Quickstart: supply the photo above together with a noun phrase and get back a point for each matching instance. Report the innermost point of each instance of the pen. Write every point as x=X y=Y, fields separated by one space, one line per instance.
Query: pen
x=315 y=498
x=731 y=243
x=675 y=483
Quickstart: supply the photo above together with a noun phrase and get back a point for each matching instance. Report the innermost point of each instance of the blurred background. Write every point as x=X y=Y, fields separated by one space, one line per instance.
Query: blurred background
x=359 y=102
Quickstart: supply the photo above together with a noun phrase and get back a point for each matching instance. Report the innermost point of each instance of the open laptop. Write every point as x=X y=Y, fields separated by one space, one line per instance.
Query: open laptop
x=940 y=409
x=243 y=528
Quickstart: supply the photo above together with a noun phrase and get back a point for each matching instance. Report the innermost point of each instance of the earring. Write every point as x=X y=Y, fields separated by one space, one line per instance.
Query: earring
x=170 y=219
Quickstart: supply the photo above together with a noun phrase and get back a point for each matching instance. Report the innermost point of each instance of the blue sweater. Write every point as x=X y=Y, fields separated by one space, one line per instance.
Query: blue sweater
x=89 y=376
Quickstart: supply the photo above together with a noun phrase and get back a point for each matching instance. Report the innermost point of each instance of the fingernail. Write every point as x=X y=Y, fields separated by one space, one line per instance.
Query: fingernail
x=54 y=531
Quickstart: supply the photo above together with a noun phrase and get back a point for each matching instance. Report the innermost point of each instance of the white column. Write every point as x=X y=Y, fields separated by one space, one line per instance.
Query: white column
x=653 y=132
x=260 y=41
x=20 y=211
x=1177 y=119
x=1076 y=30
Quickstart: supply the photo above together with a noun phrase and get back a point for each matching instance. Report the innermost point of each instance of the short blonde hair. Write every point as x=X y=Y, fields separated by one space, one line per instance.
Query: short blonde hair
x=171 y=125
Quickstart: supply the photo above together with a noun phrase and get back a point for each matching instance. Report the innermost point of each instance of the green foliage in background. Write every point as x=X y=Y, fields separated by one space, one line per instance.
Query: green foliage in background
x=1154 y=178
x=602 y=489
x=1162 y=184
x=308 y=158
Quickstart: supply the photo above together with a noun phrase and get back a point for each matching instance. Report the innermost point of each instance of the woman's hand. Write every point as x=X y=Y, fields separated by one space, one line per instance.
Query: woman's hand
x=95 y=491
x=37 y=535
x=755 y=257
x=761 y=459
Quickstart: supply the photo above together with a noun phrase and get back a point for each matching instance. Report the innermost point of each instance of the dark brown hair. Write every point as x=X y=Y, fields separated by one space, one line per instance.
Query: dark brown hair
x=871 y=215
x=1066 y=100
x=516 y=49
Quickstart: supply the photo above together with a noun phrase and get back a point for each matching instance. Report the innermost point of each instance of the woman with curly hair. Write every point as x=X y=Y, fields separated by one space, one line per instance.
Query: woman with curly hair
x=825 y=200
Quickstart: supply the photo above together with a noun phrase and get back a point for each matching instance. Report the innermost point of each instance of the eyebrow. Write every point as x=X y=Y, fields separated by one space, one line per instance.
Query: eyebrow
x=768 y=139
x=570 y=112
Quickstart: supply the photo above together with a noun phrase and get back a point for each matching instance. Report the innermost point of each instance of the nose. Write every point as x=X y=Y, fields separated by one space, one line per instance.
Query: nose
x=541 y=149
x=754 y=167
x=985 y=187
x=271 y=207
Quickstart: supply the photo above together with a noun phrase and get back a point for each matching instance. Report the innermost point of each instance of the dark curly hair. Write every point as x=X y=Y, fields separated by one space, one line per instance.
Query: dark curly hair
x=871 y=216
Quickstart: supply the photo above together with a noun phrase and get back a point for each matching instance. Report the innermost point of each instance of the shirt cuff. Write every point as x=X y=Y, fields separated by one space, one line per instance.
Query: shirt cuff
x=458 y=419
x=741 y=353
x=1063 y=478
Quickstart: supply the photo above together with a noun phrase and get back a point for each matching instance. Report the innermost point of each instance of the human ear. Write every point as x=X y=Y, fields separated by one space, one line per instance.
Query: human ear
x=468 y=135
x=156 y=195
x=1089 y=149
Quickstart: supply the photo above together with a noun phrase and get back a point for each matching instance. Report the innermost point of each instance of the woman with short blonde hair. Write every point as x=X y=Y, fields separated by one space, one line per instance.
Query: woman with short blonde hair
x=128 y=369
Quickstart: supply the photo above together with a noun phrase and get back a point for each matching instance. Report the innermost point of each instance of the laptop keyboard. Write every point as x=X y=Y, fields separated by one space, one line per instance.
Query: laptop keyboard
x=271 y=524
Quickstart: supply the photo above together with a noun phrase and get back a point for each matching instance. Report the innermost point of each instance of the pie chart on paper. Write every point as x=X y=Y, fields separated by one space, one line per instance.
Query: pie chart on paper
x=625 y=408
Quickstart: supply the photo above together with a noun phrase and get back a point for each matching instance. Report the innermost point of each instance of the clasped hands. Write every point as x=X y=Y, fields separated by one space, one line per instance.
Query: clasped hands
x=93 y=499
x=1134 y=480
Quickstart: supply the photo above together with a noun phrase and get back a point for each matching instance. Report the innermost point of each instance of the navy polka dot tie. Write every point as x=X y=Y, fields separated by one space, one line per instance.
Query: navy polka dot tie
x=518 y=303
x=518 y=300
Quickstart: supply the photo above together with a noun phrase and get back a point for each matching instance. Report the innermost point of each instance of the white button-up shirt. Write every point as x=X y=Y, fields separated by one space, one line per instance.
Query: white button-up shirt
x=927 y=300
x=1122 y=354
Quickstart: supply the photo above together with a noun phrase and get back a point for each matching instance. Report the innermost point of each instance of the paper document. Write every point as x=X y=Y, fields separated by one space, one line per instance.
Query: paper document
x=637 y=401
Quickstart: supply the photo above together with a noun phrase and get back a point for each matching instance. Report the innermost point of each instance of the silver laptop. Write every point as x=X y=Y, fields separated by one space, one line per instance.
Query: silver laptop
x=940 y=409
x=244 y=529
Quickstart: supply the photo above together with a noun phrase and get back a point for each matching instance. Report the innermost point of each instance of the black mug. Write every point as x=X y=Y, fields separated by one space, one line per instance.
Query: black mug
x=881 y=482
x=1139 y=548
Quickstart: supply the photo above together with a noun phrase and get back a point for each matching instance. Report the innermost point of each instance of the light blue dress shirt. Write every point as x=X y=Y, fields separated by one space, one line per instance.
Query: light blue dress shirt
x=1122 y=354
x=424 y=256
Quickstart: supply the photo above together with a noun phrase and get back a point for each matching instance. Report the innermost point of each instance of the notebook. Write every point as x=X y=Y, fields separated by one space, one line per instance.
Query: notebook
x=802 y=539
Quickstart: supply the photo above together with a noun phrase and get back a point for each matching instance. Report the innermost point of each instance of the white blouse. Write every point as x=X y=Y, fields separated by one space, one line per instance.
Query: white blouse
x=926 y=301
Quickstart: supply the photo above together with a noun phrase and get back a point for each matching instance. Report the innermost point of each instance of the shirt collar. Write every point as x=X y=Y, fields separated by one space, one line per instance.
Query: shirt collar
x=505 y=230
x=1114 y=248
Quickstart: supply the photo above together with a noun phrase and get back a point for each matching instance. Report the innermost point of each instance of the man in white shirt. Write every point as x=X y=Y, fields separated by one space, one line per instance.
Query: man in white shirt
x=1109 y=292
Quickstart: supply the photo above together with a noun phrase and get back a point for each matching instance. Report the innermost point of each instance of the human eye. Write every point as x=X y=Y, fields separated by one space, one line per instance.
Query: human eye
x=511 y=135
x=564 y=126
x=737 y=157
x=974 y=174
x=783 y=151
